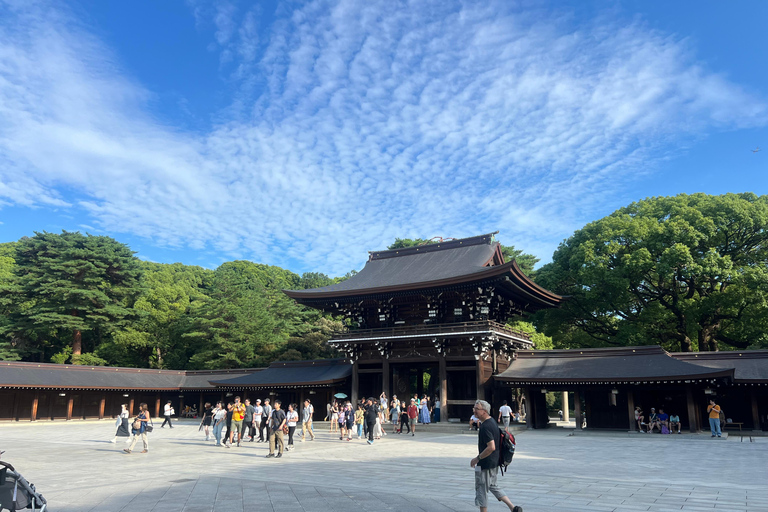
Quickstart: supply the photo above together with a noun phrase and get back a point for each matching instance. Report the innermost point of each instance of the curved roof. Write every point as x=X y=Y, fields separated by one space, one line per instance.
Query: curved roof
x=430 y=266
x=293 y=374
x=749 y=365
x=628 y=364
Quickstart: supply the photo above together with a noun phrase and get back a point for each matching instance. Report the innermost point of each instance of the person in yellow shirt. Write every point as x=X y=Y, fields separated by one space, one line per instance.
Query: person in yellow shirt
x=714 y=418
x=238 y=414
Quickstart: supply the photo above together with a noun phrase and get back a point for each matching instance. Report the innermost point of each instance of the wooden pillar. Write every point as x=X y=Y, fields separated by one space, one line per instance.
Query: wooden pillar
x=528 y=408
x=102 y=405
x=631 y=410
x=756 y=426
x=51 y=402
x=157 y=406
x=566 y=414
x=181 y=406
x=355 y=383
x=201 y=406
x=385 y=377
x=443 y=376
x=35 y=401
x=70 y=405
x=577 y=408
x=130 y=406
x=480 y=392
x=693 y=420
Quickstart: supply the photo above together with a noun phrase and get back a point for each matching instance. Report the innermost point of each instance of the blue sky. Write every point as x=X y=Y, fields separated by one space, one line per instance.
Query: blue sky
x=303 y=134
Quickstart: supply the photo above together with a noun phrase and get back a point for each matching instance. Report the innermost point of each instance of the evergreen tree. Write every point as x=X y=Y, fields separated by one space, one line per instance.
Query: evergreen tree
x=73 y=283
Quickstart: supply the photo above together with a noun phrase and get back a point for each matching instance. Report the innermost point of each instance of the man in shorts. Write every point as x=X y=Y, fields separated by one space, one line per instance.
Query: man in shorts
x=486 y=464
x=505 y=412
x=413 y=414
x=238 y=416
x=674 y=422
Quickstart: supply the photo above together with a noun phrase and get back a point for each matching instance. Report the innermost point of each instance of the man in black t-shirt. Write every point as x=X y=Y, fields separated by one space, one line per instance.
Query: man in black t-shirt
x=486 y=464
x=276 y=423
x=370 y=415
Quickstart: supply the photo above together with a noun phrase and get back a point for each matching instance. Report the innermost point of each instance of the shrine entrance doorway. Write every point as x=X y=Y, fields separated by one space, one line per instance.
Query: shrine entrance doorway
x=410 y=379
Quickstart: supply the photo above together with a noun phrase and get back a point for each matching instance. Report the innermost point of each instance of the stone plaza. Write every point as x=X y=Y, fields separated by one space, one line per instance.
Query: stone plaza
x=77 y=469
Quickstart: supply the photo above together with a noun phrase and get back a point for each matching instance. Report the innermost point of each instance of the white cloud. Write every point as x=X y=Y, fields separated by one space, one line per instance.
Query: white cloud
x=376 y=121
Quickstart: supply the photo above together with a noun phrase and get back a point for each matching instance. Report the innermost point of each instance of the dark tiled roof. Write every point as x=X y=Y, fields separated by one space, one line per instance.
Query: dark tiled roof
x=294 y=374
x=67 y=376
x=428 y=266
x=630 y=364
x=750 y=365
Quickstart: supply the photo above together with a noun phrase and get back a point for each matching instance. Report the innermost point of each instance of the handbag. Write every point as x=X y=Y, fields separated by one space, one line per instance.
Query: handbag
x=136 y=424
x=285 y=429
x=149 y=428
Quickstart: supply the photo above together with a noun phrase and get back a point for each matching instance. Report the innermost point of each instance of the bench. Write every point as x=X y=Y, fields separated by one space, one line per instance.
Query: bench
x=734 y=424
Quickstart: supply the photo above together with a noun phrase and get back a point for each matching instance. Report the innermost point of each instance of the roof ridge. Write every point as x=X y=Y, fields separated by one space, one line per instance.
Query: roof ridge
x=439 y=246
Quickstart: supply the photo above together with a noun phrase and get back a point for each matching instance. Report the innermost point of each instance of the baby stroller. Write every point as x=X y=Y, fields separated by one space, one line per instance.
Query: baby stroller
x=16 y=493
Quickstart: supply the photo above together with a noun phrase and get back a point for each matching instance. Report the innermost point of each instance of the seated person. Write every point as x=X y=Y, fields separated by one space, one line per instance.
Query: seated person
x=653 y=421
x=663 y=420
x=674 y=421
x=193 y=412
x=640 y=419
x=474 y=423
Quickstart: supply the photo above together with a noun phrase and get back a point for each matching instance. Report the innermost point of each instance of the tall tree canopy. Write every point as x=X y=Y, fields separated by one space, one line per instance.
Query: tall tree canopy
x=70 y=283
x=687 y=272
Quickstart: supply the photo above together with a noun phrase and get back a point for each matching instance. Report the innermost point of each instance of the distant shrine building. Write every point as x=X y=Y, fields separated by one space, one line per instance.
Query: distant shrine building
x=431 y=320
x=427 y=320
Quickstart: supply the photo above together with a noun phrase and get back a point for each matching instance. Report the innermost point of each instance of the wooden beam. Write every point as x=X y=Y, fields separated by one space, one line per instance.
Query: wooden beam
x=385 y=377
x=355 y=383
x=102 y=405
x=443 y=376
x=577 y=408
x=70 y=405
x=528 y=408
x=631 y=410
x=566 y=414
x=693 y=420
x=16 y=399
x=480 y=391
x=130 y=406
x=33 y=415
x=157 y=406
x=756 y=426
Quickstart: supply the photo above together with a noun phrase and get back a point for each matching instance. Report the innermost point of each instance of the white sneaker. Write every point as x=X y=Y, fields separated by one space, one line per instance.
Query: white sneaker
x=113 y=441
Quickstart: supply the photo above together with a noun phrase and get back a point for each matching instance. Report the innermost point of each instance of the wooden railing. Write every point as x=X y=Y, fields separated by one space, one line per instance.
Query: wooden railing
x=430 y=330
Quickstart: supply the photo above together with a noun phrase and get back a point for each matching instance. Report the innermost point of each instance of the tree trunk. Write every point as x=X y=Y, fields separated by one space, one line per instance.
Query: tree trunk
x=77 y=343
x=686 y=345
x=159 y=358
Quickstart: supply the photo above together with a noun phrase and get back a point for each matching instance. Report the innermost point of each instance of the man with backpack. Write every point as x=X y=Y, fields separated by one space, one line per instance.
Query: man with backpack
x=486 y=464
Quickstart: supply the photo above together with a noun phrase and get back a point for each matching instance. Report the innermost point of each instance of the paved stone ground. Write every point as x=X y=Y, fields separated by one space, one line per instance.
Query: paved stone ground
x=78 y=470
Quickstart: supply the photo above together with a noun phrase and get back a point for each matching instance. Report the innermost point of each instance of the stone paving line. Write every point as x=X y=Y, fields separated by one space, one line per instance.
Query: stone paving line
x=77 y=470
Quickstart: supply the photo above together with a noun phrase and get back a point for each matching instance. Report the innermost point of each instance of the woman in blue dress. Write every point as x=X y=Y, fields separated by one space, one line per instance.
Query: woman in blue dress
x=424 y=410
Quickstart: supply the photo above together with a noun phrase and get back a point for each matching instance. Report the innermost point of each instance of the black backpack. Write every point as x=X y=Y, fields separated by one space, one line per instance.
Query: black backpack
x=508 y=444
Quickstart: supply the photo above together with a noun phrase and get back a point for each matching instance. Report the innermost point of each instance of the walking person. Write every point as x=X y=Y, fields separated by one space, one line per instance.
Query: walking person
x=258 y=415
x=714 y=418
x=342 y=423
x=394 y=414
x=238 y=417
x=350 y=417
x=167 y=412
x=505 y=412
x=413 y=413
x=291 y=418
x=207 y=420
x=219 y=419
x=486 y=464
x=404 y=421
x=334 y=417
x=264 y=421
x=424 y=411
x=306 y=421
x=359 y=420
x=122 y=424
x=276 y=424
x=248 y=421
x=139 y=429
x=228 y=424
x=371 y=415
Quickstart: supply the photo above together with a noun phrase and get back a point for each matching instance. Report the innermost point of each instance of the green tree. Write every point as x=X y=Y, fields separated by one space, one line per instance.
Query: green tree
x=688 y=272
x=71 y=283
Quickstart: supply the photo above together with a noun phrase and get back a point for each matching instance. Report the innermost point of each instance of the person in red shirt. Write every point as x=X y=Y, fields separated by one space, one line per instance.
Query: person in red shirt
x=413 y=413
